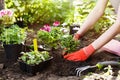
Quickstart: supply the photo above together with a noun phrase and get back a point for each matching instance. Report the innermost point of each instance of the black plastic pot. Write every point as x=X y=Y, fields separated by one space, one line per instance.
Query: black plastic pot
x=12 y=51
x=33 y=69
x=72 y=31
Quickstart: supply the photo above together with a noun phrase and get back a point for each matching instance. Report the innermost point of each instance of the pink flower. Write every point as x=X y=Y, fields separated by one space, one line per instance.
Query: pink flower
x=6 y=12
x=9 y=12
x=46 y=27
x=2 y=13
x=56 y=23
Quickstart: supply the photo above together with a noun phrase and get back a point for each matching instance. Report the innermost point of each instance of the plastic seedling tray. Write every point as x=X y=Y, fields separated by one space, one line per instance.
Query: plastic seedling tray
x=33 y=69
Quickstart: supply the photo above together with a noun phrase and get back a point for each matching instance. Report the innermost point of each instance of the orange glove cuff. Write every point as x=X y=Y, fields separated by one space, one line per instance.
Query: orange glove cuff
x=89 y=50
x=83 y=56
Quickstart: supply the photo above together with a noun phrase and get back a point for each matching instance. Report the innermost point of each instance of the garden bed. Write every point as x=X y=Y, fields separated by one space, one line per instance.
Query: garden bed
x=59 y=69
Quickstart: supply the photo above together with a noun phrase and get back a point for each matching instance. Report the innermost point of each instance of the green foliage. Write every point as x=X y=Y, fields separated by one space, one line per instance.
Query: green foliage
x=56 y=38
x=80 y=12
x=70 y=17
x=13 y=35
x=50 y=39
x=34 y=57
x=39 y=11
x=69 y=44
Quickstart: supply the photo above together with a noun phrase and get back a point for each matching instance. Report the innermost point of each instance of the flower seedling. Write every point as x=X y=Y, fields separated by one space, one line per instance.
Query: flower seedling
x=69 y=44
x=50 y=39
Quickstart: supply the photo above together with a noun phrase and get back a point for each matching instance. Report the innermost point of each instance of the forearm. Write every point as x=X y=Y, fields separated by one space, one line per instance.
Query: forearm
x=109 y=34
x=93 y=17
x=106 y=37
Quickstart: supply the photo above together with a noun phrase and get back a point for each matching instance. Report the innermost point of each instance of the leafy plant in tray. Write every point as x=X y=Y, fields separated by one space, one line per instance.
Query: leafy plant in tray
x=34 y=61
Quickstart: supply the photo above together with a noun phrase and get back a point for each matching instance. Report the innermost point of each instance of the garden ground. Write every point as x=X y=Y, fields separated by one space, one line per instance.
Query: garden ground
x=59 y=69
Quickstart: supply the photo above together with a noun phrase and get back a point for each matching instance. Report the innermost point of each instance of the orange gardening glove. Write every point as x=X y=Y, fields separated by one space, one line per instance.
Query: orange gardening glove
x=76 y=36
x=80 y=55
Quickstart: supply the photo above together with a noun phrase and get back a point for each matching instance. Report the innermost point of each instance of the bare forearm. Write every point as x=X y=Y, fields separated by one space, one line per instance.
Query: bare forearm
x=106 y=37
x=109 y=34
x=90 y=21
x=93 y=17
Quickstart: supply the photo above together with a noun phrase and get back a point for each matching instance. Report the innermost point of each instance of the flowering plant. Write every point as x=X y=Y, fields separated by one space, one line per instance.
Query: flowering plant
x=50 y=39
x=49 y=36
x=48 y=28
x=6 y=17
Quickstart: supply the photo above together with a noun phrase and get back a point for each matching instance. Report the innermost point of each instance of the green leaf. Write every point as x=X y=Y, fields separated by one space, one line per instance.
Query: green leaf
x=34 y=57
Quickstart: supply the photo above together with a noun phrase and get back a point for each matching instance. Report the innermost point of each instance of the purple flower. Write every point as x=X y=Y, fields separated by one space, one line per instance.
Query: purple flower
x=56 y=23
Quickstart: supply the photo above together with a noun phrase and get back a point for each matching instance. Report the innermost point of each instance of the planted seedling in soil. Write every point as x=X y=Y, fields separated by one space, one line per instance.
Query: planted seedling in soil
x=69 y=44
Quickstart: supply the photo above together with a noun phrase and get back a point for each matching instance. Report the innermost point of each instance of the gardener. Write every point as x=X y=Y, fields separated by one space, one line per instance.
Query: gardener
x=95 y=14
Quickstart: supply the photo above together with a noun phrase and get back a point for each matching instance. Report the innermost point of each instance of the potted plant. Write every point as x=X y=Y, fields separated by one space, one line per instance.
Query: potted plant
x=34 y=61
x=12 y=39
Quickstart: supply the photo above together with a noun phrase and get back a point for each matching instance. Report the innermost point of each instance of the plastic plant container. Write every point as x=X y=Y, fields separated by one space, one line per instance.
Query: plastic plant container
x=12 y=51
x=33 y=69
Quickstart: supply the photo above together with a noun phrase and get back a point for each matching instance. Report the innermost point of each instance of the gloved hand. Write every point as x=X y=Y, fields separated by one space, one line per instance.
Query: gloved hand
x=76 y=36
x=80 y=55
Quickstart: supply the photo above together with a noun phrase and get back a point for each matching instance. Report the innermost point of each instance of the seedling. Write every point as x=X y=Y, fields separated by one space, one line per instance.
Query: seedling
x=69 y=44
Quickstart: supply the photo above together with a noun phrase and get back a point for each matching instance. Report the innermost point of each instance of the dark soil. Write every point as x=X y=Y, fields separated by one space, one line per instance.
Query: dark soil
x=59 y=69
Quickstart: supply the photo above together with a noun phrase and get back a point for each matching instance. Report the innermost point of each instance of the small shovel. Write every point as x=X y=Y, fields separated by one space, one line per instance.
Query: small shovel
x=98 y=65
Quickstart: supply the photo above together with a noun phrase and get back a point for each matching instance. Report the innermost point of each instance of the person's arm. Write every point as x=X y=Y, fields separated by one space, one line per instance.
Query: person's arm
x=92 y=18
x=84 y=53
x=109 y=34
